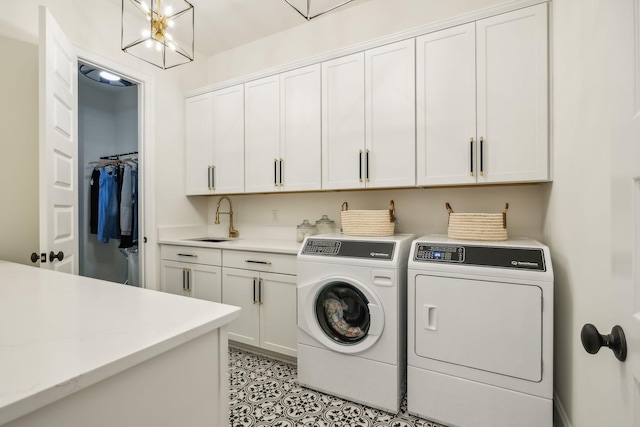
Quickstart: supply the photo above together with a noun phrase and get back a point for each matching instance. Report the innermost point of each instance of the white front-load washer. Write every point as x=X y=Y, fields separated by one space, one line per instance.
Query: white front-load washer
x=480 y=332
x=352 y=317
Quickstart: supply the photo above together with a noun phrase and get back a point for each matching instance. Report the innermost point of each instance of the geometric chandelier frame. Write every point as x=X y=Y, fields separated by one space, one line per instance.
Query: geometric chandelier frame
x=160 y=32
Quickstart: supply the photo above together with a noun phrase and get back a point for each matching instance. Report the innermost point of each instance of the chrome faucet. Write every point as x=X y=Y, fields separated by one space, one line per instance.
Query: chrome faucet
x=232 y=231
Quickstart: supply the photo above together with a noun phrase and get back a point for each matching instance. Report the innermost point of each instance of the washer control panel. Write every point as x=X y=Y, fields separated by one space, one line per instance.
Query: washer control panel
x=322 y=247
x=485 y=256
x=349 y=248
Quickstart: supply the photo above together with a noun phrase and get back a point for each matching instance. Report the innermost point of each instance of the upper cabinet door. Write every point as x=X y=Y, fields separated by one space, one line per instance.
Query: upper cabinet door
x=299 y=166
x=390 y=115
x=199 y=143
x=262 y=134
x=513 y=105
x=446 y=106
x=343 y=122
x=227 y=174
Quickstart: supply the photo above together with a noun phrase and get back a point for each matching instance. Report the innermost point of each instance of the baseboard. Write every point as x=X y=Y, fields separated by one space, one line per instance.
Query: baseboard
x=560 y=418
x=263 y=352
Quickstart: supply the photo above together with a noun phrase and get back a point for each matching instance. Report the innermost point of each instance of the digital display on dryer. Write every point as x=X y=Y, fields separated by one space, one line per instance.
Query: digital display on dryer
x=443 y=253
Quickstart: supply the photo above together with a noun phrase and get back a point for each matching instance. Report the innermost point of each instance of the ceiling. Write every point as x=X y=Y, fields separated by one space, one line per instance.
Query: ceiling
x=225 y=24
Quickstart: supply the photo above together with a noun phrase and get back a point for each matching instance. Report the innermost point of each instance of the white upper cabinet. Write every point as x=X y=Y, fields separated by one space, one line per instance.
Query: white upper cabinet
x=482 y=101
x=282 y=132
x=513 y=104
x=215 y=142
x=343 y=122
x=300 y=129
x=446 y=106
x=368 y=120
x=199 y=143
x=227 y=174
x=390 y=114
x=262 y=134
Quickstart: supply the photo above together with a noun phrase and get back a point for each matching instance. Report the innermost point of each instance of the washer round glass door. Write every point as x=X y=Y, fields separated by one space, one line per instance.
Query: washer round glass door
x=342 y=311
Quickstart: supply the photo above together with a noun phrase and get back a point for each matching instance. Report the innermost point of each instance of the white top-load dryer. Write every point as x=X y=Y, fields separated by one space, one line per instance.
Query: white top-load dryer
x=352 y=317
x=480 y=332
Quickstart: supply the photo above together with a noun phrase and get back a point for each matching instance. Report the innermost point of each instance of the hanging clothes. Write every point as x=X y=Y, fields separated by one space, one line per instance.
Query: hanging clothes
x=108 y=205
x=126 y=208
x=114 y=203
x=94 y=195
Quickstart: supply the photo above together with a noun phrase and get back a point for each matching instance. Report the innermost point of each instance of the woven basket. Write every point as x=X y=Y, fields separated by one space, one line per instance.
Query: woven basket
x=478 y=226
x=368 y=222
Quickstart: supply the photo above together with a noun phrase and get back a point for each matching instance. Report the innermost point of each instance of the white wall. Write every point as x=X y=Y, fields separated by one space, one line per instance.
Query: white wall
x=577 y=213
x=356 y=24
x=94 y=26
x=19 y=151
x=419 y=211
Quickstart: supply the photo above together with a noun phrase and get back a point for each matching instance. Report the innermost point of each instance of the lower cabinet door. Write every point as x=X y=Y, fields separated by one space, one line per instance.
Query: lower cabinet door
x=240 y=288
x=194 y=280
x=174 y=277
x=205 y=282
x=278 y=307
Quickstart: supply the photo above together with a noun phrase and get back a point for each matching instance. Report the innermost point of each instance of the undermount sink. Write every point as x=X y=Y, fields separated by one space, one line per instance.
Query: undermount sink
x=211 y=239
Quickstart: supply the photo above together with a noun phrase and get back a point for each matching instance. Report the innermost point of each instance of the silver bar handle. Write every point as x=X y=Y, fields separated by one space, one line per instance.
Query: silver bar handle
x=257 y=262
x=367 y=169
x=213 y=177
x=189 y=255
x=275 y=172
x=281 y=171
x=360 y=166
x=260 y=291
x=471 y=157
x=481 y=156
x=254 y=290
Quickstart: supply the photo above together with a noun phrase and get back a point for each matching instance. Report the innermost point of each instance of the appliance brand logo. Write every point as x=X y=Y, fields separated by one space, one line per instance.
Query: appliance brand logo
x=524 y=264
x=379 y=255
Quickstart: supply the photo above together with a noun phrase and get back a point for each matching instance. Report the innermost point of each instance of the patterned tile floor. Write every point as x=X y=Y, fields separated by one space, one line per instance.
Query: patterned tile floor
x=264 y=392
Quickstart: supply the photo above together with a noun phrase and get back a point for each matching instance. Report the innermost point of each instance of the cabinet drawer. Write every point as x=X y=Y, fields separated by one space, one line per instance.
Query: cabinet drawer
x=260 y=261
x=191 y=254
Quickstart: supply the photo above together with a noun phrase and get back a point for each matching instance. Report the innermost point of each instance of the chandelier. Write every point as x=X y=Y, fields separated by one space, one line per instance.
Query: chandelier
x=310 y=9
x=159 y=32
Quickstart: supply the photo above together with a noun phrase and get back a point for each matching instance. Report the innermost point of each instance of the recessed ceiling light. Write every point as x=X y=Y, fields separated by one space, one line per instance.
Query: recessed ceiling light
x=109 y=76
x=102 y=76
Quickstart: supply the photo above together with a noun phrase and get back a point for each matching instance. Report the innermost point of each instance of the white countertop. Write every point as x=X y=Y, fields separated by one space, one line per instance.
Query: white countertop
x=281 y=246
x=60 y=333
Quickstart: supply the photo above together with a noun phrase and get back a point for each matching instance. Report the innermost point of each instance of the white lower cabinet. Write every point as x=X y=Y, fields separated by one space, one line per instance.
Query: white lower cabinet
x=264 y=286
x=193 y=272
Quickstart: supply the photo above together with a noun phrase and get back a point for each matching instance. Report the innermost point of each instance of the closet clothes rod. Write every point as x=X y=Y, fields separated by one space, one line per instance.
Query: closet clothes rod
x=117 y=156
x=115 y=161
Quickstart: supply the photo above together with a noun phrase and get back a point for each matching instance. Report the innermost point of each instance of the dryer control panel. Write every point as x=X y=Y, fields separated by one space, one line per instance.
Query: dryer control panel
x=487 y=256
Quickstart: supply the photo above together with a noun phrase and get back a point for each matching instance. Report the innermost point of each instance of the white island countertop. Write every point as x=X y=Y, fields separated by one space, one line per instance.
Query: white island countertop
x=61 y=333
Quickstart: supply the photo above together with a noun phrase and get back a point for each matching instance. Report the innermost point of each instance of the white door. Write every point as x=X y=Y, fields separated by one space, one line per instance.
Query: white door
x=300 y=128
x=625 y=205
x=278 y=309
x=446 y=106
x=227 y=174
x=390 y=115
x=199 y=144
x=512 y=84
x=241 y=288
x=262 y=134
x=58 y=126
x=343 y=125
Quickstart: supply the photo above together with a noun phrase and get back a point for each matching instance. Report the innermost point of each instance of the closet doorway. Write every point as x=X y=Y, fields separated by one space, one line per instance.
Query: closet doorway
x=109 y=165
